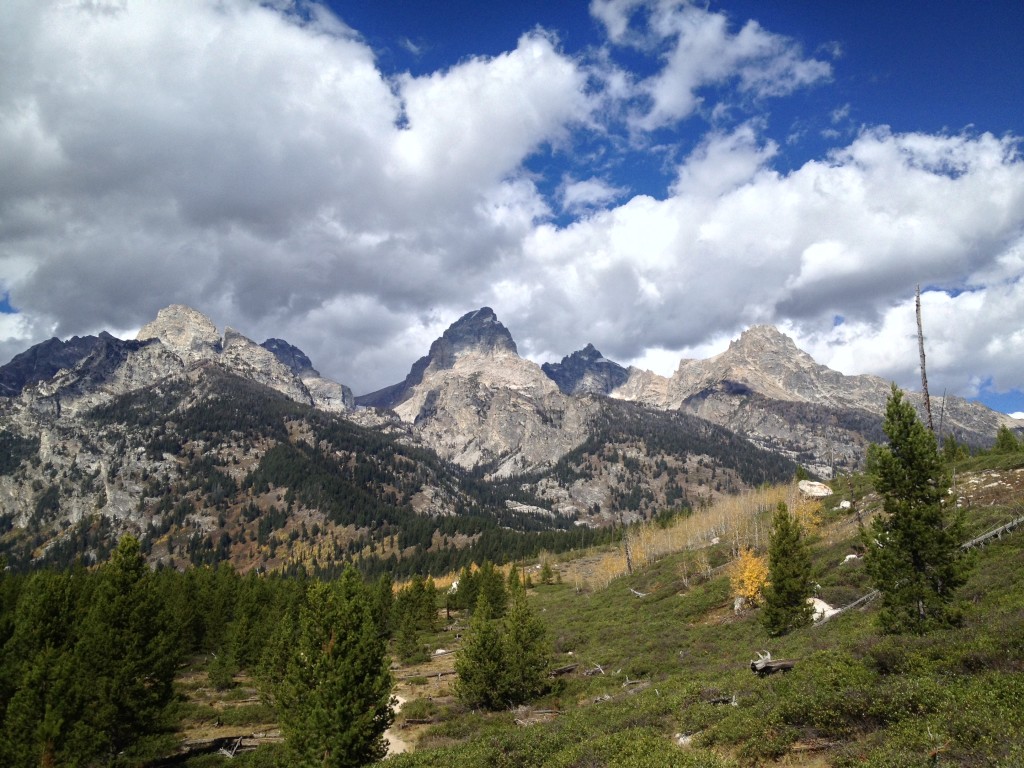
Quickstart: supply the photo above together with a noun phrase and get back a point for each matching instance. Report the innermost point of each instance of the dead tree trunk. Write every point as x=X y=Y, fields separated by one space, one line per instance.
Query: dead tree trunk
x=924 y=376
x=625 y=542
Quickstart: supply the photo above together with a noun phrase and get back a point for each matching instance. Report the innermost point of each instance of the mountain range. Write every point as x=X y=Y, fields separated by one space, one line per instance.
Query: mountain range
x=213 y=447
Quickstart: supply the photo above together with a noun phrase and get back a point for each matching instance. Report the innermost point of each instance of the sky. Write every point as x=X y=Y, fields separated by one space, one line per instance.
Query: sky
x=650 y=176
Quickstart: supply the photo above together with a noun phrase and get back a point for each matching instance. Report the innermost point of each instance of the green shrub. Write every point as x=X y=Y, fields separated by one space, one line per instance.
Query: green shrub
x=633 y=748
x=250 y=714
x=418 y=709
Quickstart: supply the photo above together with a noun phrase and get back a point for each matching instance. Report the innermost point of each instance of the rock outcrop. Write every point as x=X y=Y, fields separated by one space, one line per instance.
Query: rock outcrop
x=44 y=360
x=290 y=355
x=478 y=331
x=189 y=334
x=586 y=372
x=193 y=337
x=63 y=378
x=765 y=388
x=475 y=401
x=327 y=394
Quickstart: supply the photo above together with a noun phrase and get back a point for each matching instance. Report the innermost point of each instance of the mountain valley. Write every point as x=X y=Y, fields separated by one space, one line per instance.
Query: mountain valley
x=215 y=448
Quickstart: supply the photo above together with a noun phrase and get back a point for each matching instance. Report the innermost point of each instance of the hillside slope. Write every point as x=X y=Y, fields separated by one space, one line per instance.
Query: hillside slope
x=657 y=664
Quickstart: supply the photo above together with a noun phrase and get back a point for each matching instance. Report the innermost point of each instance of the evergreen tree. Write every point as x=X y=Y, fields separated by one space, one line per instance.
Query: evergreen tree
x=335 y=699
x=480 y=661
x=789 y=576
x=468 y=590
x=525 y=651
x=492 y=585
x=125 y=657
x=914 y=555
x=418 y=601
x=502 y=664
x=277 y=653
x=1006 y=441
x=547 y=575
x=407 y=641
x=39 y=702
x=515 y=579
x=224 y=666
x=384 y=605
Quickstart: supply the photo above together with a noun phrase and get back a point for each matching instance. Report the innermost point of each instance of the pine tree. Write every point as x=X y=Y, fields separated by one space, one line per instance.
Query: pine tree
x=914 y=555
x=407 y=641
x=384 y=604
x=525 y=650
x=789 y=576
x=491 y=583
x=1006 y=441
x=335 y=699
x=38 y=700
x=547 y=575
x=502 y=664
x=125 y=657
x=480 y=661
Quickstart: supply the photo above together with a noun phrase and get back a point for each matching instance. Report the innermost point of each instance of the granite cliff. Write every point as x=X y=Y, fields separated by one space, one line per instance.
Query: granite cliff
x=773 y=393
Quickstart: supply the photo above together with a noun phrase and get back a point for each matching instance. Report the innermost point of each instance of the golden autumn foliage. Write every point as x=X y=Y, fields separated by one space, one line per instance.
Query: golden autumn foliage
x=807 y=512
x=740 y=522
x=749 y=575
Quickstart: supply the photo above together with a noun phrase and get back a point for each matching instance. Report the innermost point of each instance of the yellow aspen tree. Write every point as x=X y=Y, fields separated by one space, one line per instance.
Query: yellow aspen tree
x=749 y=576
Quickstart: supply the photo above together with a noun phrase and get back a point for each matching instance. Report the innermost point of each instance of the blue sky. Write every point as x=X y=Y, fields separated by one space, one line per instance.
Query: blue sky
x=648 y=176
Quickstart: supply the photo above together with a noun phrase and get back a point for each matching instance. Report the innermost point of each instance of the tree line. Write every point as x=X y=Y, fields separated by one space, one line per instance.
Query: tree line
x=89 y=656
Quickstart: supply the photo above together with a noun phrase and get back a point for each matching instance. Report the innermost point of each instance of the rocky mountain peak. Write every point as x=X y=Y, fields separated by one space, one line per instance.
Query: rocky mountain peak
x=44 y=360
x=763 y=341
x=479 y=331
x=586 y=371
x=762 y=359
x=185 y=331
x=290 y=355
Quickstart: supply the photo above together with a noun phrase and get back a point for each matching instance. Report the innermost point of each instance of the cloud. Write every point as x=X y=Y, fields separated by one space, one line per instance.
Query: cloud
x=848 y=236
x=581 y=196
x=257 y=164
x=254 y=161
x=700 y=51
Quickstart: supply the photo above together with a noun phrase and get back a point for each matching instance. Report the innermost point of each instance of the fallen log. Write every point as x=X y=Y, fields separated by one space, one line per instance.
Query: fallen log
x=765 y=665
x=563 y=670
x=771 y=667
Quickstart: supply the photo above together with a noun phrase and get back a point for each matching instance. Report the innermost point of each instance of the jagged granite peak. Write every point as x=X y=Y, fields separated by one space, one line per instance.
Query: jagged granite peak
x=493 y=407
x=586 y=371
x=475 y=401
x=327 y=394
x=767 y=361
x=42 y=361
x=767 y=389
x=185 y=331
x=290 y=355
x=112 y=368
x=479 y=331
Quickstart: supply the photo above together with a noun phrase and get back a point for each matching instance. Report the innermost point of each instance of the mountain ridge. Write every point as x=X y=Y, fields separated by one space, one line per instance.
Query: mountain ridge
x=212 y=447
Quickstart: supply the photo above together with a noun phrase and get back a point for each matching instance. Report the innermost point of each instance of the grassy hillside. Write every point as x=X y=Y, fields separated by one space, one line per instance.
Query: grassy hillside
x=662 y=677
x=671 y=668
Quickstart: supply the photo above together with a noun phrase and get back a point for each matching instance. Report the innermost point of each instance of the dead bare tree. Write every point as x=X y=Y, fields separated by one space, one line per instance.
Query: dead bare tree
x=625 y=543
x=924 y=376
